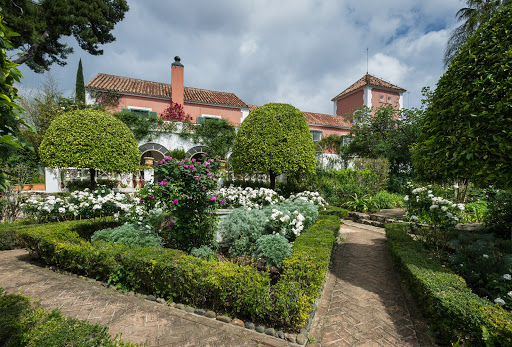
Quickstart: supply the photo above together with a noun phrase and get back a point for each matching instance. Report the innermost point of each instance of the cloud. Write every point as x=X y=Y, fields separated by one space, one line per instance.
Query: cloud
x=299 y=51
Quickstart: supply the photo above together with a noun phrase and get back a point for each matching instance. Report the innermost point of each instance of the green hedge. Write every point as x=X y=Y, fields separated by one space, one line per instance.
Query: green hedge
x=334 y=211
x=455 y=311
x=25 y=323
x=240 y=291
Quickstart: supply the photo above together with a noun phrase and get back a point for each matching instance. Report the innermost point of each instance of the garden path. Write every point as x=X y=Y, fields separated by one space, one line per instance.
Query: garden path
x=363 y=303
x=139 y=321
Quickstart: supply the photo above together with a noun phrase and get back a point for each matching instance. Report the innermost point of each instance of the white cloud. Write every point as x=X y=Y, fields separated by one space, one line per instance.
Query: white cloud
x=299 y=51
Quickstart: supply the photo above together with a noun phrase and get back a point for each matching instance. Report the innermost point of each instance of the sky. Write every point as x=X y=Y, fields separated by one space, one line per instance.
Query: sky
x=302 y=52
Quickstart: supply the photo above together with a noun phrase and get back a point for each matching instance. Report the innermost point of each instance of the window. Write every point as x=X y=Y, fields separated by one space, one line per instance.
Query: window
x=202 y=118
x=389 y=99
x=382 y=98
x=140 y=110
x=316 y=134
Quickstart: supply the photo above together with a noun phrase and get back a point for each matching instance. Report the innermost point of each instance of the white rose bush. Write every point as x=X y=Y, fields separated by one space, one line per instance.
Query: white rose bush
x=81 y=205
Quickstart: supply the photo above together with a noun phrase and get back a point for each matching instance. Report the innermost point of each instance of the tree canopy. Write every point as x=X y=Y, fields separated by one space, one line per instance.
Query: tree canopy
x=275 y=139
x=467 y=129
x=89 y=139
x=385 y=132
x=475 y=14
x=10 y=121
x=42 y=25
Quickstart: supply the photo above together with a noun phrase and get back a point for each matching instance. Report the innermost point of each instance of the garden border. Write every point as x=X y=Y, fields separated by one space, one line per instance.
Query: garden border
x=239 y=291
x=454 y=310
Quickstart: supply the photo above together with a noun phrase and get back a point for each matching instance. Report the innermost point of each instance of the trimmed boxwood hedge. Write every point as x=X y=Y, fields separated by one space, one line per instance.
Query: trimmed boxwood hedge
x=334 y=211
x=24 y=322
x=240 y=291
x=454 y=310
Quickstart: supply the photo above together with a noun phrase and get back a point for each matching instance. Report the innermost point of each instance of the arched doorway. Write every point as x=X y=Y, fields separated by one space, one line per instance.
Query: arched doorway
x=152 y=150
x=197 y=153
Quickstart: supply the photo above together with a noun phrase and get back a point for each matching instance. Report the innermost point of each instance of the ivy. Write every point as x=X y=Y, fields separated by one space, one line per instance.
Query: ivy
x=218 y=135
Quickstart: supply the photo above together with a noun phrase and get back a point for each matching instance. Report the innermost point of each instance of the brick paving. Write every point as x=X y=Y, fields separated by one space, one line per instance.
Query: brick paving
x=138 y=320
x=363 y=303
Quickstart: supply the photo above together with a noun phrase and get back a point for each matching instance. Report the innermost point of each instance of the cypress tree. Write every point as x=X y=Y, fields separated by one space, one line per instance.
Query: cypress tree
x=80 y=87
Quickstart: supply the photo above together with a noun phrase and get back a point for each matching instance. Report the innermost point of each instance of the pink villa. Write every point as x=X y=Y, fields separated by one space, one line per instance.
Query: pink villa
x=149 y=97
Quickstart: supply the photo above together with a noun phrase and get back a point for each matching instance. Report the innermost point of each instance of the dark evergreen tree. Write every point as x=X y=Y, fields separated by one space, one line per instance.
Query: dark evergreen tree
x=80 y=86
x=42 y=25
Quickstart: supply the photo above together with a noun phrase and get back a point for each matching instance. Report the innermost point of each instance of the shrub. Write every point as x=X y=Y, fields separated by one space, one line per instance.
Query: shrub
x=384 y=200
x=178 y=153
x=187 y=192
x=131 y=235
x=291 y=217
x=334 y=211
x=273 y=249
x=82 y=185
x=81 y=205
x=499 y=217
x=240 y=230
x=240 y=291
x=24 y=322
x=456 y=312
x=203 y=252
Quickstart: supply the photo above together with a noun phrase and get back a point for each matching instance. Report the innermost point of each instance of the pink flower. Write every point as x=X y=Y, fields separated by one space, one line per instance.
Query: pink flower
x=151 y=197
x=191 y=166
x=171 y=224
x=140 y=200
x=213 y=198
x=185 y=166
x=222 y=202
x=175 y=201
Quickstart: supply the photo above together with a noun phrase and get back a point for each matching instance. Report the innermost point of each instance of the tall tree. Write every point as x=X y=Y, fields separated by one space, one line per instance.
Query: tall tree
x=10 y=135
x=385 y=133
x=42 y=24
x=466 y=133
x=79 y=85
x=274 y=138
x=476 y=13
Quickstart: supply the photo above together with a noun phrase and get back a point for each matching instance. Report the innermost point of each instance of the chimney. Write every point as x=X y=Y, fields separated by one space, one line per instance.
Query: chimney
x=177 y=89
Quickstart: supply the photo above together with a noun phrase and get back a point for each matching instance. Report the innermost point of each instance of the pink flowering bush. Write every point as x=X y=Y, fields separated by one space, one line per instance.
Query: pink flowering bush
x=185 y=189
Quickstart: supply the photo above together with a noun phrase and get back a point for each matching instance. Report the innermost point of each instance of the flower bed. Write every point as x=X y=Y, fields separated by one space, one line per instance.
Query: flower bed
x=240 y=291
x=455 y=311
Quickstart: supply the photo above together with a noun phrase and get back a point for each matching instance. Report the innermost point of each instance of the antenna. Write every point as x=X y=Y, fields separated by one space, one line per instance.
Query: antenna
x=367 y=60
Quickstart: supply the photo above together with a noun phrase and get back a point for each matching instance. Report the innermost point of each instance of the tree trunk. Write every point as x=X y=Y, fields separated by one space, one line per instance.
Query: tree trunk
x=33 y=49
x=272 y=180
x=92 y=173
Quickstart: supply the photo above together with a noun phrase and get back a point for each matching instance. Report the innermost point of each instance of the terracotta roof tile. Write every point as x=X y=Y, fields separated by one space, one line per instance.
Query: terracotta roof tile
x=365 y=81
x=161 y=90
x=319 y=118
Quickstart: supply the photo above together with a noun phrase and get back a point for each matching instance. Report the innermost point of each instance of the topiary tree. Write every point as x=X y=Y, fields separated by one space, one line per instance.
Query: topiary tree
x=466 y=133
x=274 y=138
x=89 y=139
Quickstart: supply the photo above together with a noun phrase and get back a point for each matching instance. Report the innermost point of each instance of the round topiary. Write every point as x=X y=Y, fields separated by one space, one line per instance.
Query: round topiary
x=274 y=138
x=467 y=129
x=89 y=139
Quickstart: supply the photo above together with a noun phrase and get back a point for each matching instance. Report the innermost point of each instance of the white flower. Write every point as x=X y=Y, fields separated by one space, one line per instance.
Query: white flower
x=406 y=198
x=507 y=277
x=414 y=218
x=461 y=207
x=434 y=206
x=444 y=208
x=62 y=210
x=510 y=293
x=485 y=256
x=499 y=301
